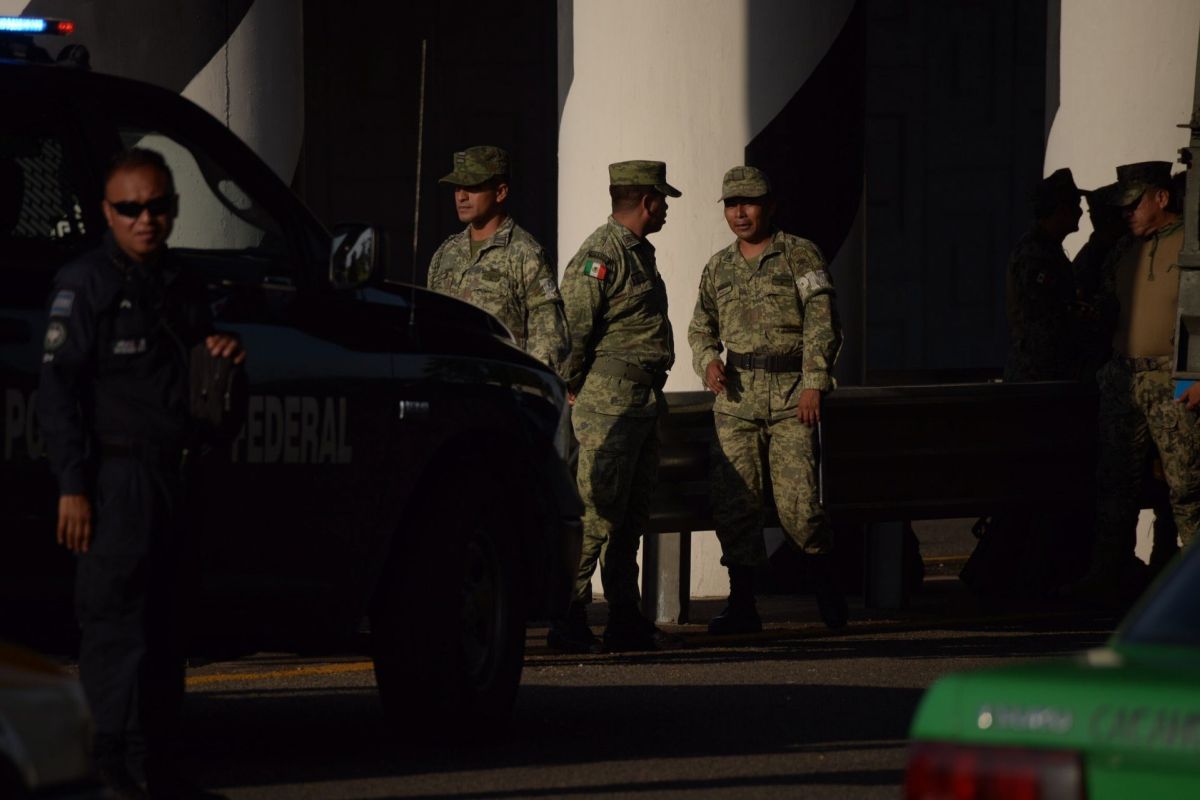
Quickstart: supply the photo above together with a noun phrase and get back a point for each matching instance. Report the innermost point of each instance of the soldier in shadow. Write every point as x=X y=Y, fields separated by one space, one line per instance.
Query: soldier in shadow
x=1021 y=555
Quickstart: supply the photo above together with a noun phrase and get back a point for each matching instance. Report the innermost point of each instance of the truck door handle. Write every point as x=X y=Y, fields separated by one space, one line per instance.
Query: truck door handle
x=413 y=409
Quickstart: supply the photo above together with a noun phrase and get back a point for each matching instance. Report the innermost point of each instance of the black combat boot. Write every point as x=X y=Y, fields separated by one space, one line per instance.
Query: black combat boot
x=741 y=612
x=119 y=784
x=831 y=602
x=572 y=635
x=629 y=631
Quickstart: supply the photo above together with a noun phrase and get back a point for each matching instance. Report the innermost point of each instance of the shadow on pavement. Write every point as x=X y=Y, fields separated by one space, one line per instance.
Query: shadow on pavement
x=270 y=738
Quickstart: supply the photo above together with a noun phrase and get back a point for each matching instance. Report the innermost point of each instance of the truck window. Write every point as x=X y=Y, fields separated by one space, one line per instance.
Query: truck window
x=216 y=212
x=42 y=219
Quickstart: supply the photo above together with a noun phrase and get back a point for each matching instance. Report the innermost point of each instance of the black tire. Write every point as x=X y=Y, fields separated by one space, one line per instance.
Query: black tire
x=448 y=622
x=12 y=786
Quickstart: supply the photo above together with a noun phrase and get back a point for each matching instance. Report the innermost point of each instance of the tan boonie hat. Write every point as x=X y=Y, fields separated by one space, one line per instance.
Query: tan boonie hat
x=475 y=165
x=1134 y=179
x=642 y=173
x=748 y=182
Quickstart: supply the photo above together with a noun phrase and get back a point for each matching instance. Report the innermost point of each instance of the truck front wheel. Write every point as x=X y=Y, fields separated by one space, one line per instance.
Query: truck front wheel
x=448 y=622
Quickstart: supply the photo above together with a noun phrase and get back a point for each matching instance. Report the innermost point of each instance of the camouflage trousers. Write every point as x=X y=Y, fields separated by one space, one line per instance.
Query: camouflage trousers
x=618 y=467
x=745 y=454
x=1137 y=410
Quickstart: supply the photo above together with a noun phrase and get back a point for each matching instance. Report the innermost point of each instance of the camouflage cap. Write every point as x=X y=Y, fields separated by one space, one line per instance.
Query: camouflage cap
x=475 y=165
x=1058 y=185
x=642 y=173
x=745 y=182
x=1134 y=179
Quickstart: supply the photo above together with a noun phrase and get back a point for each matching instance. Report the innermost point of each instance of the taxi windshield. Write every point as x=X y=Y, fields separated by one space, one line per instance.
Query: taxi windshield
x=1172 y=614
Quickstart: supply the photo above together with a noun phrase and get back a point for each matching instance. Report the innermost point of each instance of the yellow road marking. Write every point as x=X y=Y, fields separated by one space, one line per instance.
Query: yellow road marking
x=294 y=672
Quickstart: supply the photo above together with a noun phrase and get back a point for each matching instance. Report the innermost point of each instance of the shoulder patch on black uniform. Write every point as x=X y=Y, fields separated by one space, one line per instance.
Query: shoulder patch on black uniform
x=62 y=304
x=56 y=336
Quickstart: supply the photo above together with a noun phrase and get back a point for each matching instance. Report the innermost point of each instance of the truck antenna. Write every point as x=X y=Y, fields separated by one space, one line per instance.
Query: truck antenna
x=412 y=306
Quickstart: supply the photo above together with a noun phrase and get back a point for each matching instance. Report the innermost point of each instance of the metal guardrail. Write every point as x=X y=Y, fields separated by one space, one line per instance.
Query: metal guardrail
x=889 y=454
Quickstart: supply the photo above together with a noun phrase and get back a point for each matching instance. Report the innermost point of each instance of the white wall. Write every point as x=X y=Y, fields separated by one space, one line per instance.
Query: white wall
x=1126 y=75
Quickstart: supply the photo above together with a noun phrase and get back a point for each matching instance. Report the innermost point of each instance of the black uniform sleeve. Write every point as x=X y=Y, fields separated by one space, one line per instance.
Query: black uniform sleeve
x=68 y=360
x=192 y=306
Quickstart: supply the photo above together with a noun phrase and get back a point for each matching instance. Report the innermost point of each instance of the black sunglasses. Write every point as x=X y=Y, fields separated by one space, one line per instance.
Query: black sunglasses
x=157 y=207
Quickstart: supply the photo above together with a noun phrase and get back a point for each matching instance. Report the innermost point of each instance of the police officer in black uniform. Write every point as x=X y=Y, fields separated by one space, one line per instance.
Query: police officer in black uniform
x=113 y=405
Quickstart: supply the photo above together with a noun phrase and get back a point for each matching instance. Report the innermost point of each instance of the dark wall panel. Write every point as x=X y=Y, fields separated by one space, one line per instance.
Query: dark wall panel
x=955 y=103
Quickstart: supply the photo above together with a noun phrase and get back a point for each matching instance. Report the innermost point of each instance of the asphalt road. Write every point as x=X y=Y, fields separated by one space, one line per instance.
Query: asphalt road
x=794 y=712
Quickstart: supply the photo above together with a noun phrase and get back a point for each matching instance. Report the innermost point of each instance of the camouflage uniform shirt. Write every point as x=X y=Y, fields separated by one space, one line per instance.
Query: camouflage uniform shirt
x=785 y=306
x=616 y=309
x=1040 y=288
x=511 y=279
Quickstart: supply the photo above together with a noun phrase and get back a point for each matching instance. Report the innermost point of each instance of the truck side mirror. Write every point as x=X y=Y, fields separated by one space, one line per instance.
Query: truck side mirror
x=355 y=254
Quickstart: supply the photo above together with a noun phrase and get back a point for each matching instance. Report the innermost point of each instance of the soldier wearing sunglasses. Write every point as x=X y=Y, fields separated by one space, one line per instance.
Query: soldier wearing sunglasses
x=113 y=403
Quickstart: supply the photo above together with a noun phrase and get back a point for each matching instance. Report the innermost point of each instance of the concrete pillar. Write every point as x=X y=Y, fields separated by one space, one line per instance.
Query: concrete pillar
x=255 y=83
x=1124 y=75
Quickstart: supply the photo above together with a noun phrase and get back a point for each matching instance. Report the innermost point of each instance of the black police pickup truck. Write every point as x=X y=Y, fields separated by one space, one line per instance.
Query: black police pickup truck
x=401 y=457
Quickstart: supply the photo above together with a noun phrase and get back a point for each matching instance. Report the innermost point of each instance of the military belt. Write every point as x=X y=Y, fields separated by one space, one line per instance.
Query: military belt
x=1144 y=364
x=620 y=369
x=765 y=361
x=146 y=452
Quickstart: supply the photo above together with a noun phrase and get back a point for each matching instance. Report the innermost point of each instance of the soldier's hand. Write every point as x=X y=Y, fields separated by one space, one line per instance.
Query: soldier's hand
x=74 y=522
x=1190 y=397
x=224 y=345
x=808 y=410
x=714 y=376
x=570 y=398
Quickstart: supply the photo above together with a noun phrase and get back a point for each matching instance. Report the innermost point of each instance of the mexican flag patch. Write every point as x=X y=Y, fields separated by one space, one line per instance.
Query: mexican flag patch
x=595 y=268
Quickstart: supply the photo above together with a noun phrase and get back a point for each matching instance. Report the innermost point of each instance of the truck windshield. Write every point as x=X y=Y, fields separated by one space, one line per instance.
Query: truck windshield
x=215 y=211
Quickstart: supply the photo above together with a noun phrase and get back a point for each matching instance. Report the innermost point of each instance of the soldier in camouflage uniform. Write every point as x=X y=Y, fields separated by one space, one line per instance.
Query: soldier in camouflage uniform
x=768 y=300
x=1043 y=324
x=495 y=263
x=1110 y=236
x=1137 y=409
x=1022 y=556
x=621 y=349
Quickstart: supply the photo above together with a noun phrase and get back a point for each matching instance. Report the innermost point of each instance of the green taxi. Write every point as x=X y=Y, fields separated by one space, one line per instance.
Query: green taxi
x=1122 y=721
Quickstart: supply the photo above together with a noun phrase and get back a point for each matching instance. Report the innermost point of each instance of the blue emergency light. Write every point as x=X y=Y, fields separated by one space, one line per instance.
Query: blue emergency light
x=36 y=25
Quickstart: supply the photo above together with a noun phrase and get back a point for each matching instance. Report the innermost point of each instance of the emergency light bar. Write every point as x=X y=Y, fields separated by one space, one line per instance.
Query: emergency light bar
x=37 y=25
